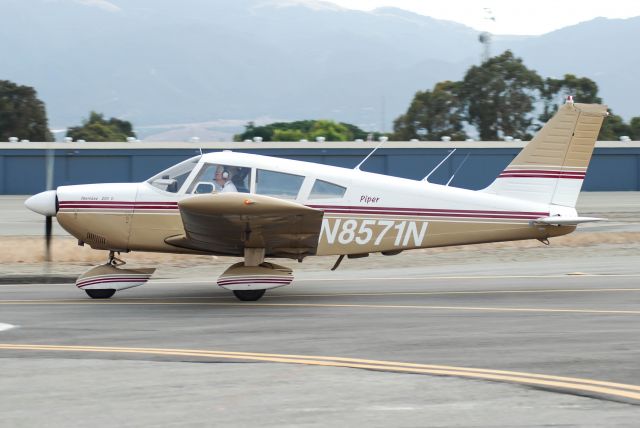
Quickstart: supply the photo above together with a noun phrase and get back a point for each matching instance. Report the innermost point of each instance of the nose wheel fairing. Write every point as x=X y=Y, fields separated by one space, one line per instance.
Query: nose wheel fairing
x=111 y=277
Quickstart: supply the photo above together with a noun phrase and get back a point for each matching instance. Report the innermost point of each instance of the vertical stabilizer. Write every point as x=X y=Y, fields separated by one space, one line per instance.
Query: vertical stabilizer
x=551 y=168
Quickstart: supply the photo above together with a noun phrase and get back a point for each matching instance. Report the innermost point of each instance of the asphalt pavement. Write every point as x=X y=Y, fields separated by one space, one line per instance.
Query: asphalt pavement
x=489 y=336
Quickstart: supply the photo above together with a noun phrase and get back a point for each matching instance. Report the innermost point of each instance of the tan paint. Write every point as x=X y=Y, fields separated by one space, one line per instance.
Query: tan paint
x=270 y=269
x=110 y=270
x=149 y=232
x=440 y=233
x=566 y=140
x=100 y=230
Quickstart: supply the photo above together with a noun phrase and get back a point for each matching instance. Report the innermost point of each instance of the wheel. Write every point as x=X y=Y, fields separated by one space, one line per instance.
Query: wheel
x=248 y=295
x=100 y=294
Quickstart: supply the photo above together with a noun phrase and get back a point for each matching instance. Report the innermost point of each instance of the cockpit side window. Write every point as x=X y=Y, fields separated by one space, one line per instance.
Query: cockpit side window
x=172 y=179
x=218 y=178
x=278 y=184
x=324 y=190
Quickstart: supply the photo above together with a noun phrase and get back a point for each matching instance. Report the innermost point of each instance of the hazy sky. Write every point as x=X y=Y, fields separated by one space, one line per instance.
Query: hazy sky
x=511 y=16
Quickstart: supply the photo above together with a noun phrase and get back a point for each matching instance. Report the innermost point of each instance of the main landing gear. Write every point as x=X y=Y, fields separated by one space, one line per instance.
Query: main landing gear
x=100 y=294
x=249 y=295
x=250 y=279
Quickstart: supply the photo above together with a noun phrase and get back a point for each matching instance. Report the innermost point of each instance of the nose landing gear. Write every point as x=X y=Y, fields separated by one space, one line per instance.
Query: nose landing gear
x=102 y=282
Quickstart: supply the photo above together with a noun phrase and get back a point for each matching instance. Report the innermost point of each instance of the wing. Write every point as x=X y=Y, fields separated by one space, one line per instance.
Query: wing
x=226 y=223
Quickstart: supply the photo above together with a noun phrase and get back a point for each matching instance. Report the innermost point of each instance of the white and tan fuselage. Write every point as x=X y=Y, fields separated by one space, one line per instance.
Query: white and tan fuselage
x=252 y=206
x=377 y=213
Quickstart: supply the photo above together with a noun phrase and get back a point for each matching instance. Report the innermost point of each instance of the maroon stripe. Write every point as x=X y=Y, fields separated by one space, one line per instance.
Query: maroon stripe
x=120 y=202
x=148 y=207
x=95 y=206
x=555 y=171
x=429 y=212
x=268 y=281
x=127 y=204
x=555 y=174
x=114 y=278
x=256 y=279
x=115 y=207
x=579 y=177
x=516 y=171
x=516 y=217
x=98 y=281
x=360 y=207
x=435 y=213
x=105 y=209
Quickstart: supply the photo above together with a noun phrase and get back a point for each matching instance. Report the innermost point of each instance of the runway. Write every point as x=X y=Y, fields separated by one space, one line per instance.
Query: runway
x=441 y=350
x=515 y=335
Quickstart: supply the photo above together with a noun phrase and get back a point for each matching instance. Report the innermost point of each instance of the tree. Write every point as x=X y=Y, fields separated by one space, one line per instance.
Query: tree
x=96 y=128
x=330 y=130
x=22 y=114
x=303 y=130
x=634 y=126
x=555 y=92
x=613 y=128
x=499 y=96
x=287 y=135
x=432 y=115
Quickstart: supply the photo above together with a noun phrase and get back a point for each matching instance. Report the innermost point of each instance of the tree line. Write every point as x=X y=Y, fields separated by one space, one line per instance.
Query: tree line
x=23 y=116
x=307 y=130
x=500 y=97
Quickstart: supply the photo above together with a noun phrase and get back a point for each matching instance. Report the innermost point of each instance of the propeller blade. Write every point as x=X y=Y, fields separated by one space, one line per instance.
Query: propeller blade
x=48 y=226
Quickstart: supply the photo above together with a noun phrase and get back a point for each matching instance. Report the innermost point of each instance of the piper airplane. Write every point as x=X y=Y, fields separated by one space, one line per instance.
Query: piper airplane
x=258 y=207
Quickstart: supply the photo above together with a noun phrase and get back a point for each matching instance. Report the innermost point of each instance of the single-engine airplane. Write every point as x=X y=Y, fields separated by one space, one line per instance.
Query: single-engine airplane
x=258 y=207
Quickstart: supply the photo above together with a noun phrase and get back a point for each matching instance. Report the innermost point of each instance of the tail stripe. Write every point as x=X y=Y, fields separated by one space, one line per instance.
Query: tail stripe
x=537 y=173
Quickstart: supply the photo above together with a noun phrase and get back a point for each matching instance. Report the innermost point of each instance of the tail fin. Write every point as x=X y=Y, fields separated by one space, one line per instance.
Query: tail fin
x=551 y=167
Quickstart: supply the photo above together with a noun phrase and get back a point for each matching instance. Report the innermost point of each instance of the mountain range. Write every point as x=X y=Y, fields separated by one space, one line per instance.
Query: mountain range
x=205 y=67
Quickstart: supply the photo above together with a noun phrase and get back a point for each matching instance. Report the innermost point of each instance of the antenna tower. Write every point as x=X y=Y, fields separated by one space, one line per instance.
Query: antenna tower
x=485 y=37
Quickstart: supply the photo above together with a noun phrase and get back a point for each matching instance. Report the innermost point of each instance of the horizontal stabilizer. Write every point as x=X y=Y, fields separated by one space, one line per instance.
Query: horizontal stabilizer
x=566 y=221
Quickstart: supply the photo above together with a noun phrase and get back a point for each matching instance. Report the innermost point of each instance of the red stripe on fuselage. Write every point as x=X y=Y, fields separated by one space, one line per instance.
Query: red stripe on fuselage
x=336 y=209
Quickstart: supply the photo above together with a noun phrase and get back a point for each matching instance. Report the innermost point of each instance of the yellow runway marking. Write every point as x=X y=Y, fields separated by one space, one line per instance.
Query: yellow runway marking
x=316 y=305
x=408 y=278
x=560 y=383
x=426 y=278
x=444 y=293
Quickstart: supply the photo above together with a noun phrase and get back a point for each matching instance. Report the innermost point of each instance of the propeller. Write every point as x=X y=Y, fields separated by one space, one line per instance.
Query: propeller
x=45 y=203
x=48 y=226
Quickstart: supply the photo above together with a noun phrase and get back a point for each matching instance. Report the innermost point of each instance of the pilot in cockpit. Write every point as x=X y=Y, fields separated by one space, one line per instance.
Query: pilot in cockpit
x=223 y=181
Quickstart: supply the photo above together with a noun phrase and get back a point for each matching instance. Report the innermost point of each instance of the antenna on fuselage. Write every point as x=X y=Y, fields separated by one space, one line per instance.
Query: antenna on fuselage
x=382 y=141
x=458 y=168
x=426 y=178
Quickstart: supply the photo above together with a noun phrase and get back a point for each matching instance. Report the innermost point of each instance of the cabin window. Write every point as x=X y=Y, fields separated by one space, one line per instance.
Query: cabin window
x=218 y=178
x=172 y=179
x=278 y=184
x=325 y=190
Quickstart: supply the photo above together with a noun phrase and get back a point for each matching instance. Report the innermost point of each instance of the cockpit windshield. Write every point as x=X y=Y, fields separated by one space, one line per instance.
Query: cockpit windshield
x=172 y=179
